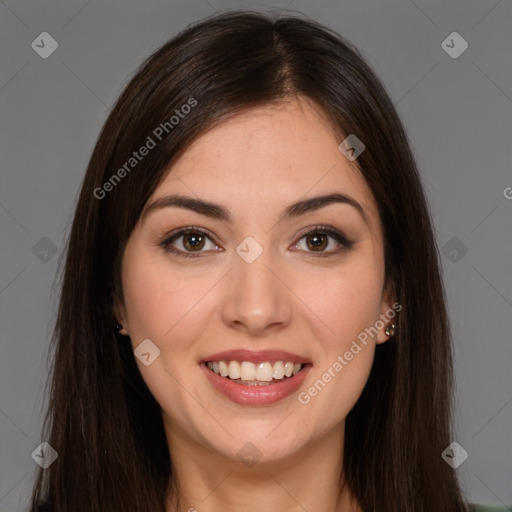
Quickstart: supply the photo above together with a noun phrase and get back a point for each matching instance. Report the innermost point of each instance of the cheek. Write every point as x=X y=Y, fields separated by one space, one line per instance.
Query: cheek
x=342 y=303
x=170 y=308
x=342 y=308
x=165 y=304
x=344 y=361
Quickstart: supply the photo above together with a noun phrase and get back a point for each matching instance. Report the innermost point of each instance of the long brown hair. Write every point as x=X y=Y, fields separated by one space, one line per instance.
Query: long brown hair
x=102 y=419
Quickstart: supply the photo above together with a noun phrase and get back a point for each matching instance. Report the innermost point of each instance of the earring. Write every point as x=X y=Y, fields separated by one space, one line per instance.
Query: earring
x=119 y=328
x=390 y=330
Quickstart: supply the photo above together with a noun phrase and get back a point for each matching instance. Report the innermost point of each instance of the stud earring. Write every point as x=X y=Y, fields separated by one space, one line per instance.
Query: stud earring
x=390 y=330
x=119 y=328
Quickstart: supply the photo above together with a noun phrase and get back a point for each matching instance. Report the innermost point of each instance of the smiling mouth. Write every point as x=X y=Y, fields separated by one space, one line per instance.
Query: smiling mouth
x=255 y=374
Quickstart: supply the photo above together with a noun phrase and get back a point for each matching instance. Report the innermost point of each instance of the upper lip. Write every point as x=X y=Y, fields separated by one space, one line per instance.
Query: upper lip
x=259 y=356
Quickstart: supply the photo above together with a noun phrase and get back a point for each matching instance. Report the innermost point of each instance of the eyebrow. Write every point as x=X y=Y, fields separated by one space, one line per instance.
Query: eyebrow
x=217 y=211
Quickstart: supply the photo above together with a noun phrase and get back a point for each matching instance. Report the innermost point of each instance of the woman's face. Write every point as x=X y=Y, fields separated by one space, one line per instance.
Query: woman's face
x=284 y=284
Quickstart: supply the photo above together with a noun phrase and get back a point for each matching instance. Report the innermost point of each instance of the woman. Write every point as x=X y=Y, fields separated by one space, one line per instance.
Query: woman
x=253 y=224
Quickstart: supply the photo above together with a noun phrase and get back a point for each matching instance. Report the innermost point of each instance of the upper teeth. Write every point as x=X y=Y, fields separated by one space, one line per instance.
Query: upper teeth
x=246 y=370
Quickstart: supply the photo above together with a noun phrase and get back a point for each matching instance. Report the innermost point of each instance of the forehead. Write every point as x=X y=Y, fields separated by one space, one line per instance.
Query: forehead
x=267 y=157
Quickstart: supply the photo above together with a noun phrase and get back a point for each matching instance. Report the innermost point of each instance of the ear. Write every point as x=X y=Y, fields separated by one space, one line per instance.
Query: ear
x=388 y=313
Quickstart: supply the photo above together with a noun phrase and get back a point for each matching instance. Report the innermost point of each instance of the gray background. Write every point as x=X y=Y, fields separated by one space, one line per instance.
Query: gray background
x=457 y=113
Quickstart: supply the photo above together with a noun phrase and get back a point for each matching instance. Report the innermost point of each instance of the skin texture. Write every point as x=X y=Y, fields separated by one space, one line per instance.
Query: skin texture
x=255 y=164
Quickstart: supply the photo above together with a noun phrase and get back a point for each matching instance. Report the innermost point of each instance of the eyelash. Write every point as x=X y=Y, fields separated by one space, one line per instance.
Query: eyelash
x=324 y=230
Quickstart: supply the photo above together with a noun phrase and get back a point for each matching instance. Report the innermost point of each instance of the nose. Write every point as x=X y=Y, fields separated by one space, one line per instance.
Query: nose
x=256 y=300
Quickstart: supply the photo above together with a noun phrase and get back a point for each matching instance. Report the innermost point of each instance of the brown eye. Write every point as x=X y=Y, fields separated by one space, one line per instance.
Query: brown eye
x=324 y=241
x=193 y=241
x=317 y=241
x=189 y=242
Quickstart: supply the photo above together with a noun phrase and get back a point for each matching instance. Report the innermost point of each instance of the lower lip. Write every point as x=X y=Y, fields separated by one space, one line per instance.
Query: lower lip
x=255 y=395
